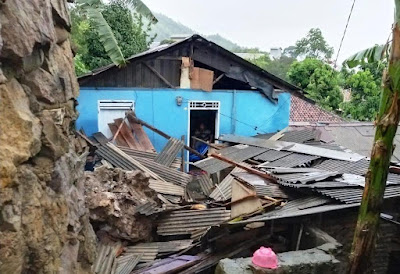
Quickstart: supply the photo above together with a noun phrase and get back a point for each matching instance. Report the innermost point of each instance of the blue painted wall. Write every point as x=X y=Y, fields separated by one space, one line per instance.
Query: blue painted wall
x=244 y=113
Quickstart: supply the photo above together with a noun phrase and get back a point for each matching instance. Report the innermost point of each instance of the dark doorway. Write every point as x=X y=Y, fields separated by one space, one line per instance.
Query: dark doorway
x=205 y=119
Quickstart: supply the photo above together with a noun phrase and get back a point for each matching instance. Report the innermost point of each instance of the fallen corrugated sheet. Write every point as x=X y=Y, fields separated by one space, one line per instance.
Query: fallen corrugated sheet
x=296 y=208
x=236 y=153
x=271 y=155
x=105 y=258
x=354 y=195
x=149 y=155
x=205 y=183
x=120 y=159
x=170 y=265
x=357 y=168
x=184 y=222
x=169 y=152
x=148 y=208
x=125 y=264
x=304 y=178
x=300 y=136
x=166 y=173
x=293 y=147
x=147 y=253
x=223 y=190
x=294 y=160
x=166 y=188
x=262 y=186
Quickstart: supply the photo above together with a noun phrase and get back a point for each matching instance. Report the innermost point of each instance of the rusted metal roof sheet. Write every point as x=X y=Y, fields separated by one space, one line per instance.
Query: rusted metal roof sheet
x=185 y=222
x=297 y=208
x=166 y=173
x=169 y=152
x=236 y=153
x=148 y=155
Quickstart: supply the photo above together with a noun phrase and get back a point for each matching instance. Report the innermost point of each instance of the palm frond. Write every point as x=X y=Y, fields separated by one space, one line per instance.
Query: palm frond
x=106 y=36
x=374 y=54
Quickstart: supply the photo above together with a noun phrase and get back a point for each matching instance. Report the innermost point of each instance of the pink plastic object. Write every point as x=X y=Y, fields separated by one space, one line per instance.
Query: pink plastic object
x=265 y=257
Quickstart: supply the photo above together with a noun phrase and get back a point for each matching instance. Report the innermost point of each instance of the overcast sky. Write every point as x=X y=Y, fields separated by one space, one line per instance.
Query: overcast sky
x=279 y=23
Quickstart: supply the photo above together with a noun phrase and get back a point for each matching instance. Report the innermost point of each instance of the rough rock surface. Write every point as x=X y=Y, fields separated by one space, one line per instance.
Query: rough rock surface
x=113 y=197
x=44 y=225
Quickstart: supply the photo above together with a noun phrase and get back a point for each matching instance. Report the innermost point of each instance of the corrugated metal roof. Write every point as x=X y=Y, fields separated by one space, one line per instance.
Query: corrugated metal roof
x=304 y=178
x=271 y=155
x=354 y=195
x=236 y=153
x=166 y=188
x=149 y=155
x=206 y=184
x=299 y=136
x=166 y=173
x=147 y=253
x=297 y=208
x=148 y=208
x=358 y=168
x=294 y=160
x=185 y=222
x=169 y=152
x=223 y=190
x=125 y=264
x=262 y=186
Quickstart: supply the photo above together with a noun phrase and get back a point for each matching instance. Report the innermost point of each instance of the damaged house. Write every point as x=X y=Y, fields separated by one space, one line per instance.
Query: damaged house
x=184 y=84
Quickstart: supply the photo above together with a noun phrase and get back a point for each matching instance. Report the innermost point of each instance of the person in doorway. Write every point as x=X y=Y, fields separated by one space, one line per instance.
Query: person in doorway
x=202 y=133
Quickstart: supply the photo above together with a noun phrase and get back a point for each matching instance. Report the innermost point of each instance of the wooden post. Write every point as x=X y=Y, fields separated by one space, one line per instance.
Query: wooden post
x=183 y=155
x=375 y=181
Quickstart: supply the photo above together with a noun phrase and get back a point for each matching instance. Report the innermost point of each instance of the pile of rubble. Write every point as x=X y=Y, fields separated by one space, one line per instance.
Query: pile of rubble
x=161 y=219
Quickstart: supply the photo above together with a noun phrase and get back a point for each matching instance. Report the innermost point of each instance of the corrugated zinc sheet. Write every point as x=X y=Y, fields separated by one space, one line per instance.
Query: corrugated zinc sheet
x=147 y=253
x=223 y=190
x=271 y=155
x=185 y=222
x=305 y=178
x=358 y=168
x=148 y=155
x=299 y=136
x=166 y=173
x=236 y=153
x=148 y=208
x=169 y=152
x=294 y=160
x=206 y=184
x=354 y=195
x=125 y=264
x=297 y=208
x=166 y=188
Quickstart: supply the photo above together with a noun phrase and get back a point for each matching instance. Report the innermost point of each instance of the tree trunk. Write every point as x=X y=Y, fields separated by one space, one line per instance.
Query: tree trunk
x=386 y=125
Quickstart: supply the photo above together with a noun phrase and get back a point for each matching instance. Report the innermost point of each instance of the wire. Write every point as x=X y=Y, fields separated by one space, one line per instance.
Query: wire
x=252 y=126
x=344 y=32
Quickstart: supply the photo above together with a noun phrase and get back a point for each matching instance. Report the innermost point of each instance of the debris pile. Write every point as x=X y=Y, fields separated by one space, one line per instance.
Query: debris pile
x=201 y=217
x=119 y=202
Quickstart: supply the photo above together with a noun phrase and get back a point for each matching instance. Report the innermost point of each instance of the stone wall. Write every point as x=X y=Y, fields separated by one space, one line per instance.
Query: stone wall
x=44 y=225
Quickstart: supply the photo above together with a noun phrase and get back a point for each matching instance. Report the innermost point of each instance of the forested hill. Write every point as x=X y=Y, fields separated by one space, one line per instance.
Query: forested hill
x=167 y=27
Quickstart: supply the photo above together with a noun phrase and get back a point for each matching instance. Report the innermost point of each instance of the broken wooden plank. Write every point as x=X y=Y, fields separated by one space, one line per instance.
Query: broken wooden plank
x=141 y=135
x=118 y=137
x=126 y=133
x=158 y=75
x=244 y=200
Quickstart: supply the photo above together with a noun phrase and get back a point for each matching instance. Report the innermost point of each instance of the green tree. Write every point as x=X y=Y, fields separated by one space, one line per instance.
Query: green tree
x=324 y=88
x=280 y=67
x=127 y=28
x=300 y=72
x=313 y=45
x=319 y=80
x=92 y=10
x=365 y=94
x=262 y=61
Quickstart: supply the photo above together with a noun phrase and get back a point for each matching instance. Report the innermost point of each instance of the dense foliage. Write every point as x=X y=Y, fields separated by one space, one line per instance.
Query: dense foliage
x=313 y=45
x=129 y=31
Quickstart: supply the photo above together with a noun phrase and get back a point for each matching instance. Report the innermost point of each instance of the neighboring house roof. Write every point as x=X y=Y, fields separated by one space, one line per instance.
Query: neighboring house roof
x=204 y=53
x=356 y=136
x=304 y=111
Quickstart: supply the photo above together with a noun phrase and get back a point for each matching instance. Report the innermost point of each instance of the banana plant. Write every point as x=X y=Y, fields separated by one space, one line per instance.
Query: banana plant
x=377 y=53
x=93 y=10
